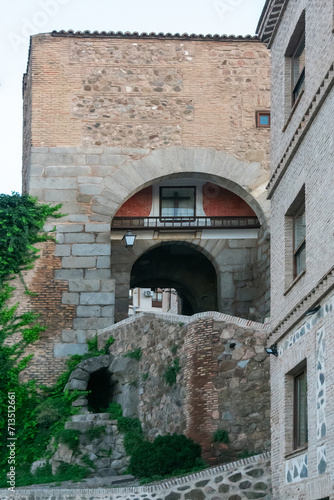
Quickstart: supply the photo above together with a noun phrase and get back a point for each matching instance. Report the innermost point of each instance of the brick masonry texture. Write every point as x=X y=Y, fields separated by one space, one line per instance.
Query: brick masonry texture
x=148 y=87
x=241 y=480
x=302 y=159
x=219 y=201
x=56 y=315
x=139 y=205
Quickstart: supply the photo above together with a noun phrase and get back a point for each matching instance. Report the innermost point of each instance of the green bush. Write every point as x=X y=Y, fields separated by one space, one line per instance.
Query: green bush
x=70 y=437
x=165 y=456
x=221 y=436
x=136 y=354
x=108 y=343
x=133 y=433
x=115 y=410
x=95 y=432
x=172 y=371
x=174 y=349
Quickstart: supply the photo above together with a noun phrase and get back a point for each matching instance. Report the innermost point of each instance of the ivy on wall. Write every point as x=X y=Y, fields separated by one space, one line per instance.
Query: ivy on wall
x=21 y=226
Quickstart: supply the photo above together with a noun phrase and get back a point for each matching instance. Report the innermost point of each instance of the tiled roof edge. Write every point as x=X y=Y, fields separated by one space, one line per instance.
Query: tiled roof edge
x=269 y=20
x=144 y=35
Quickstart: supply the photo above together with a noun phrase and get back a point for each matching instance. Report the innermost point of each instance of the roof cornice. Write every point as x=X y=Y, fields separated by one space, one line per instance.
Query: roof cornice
x=270 y=18
x=168 y=36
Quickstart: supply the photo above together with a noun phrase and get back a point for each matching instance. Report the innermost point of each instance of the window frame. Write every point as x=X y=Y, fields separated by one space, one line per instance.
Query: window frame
x=302 y=245
x=258 y=115
x=297 y=87
x=298 y=442
x=290 y=259
x=171 y=217
x=294 y=89
x=155 y=299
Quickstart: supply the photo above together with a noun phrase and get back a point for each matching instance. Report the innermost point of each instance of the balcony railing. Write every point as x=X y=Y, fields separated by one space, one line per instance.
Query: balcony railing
x=179 y=223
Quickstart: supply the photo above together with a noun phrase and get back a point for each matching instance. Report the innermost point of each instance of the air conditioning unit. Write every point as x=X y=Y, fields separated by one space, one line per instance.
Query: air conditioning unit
x=148 y=293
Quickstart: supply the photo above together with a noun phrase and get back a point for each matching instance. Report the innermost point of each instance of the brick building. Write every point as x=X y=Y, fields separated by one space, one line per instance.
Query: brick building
x=166 y=136
x=300 y=37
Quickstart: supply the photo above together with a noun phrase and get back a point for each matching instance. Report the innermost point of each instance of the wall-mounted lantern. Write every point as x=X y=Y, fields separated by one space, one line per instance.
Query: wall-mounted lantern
x=129 y=239
x=272 y=350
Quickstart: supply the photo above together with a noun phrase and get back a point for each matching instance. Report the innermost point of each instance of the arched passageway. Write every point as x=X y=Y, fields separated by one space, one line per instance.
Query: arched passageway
x=179 y=266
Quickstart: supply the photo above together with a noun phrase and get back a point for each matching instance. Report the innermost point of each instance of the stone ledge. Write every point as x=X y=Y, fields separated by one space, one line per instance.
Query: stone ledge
x=188 y=320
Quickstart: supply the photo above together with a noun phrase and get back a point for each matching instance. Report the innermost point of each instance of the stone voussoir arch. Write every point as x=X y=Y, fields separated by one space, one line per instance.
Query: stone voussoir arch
x=247 y=180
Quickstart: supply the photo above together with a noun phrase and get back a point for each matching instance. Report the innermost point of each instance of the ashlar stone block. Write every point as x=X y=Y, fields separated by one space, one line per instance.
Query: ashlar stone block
x=91 y=249
x=98 y=298
x=78 y=262
x=89 y=311
x=85 y=286
x=70 y=298
x=62 y=350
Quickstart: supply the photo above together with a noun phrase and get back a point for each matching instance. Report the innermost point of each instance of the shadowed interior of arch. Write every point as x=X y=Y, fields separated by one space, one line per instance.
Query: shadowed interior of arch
x=178 y=266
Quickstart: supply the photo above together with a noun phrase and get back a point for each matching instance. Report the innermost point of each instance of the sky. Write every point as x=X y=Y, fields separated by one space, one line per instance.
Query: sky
x=23 y=18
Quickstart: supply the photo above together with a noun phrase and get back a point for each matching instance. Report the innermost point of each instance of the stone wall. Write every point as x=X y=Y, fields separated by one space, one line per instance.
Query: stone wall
x=243 y=480
x=106 y=450
x=223 y=381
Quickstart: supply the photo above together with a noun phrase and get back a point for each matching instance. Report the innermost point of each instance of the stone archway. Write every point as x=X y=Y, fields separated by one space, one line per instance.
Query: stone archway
x=247 y=180
x=115 y=375
x=182 y=267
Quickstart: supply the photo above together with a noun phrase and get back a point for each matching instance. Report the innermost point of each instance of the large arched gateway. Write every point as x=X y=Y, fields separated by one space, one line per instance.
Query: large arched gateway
x=197 y=237
x=178 y=266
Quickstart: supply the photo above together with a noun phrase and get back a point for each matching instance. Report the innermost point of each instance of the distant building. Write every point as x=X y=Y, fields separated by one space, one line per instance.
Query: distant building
x=157 y=300
x=300 y=37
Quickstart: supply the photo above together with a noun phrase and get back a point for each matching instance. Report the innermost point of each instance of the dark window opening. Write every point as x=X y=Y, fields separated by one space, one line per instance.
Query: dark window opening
x=298 y=69
x=295 y=54
x=157 y=298
x=300 y=410
x=101 y=390
x=299 y=241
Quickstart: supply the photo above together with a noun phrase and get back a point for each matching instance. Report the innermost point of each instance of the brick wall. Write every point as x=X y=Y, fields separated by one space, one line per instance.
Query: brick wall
x=48 y=303
x=81 y=97
x=219 y=201
x=302 y=160
x=139 y=205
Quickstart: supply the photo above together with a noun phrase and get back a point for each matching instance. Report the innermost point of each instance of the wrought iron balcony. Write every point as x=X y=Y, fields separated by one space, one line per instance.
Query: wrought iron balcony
x=182 y=223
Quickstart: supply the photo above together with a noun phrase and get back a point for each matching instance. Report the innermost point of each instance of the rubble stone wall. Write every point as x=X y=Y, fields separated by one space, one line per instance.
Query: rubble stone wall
x=223 y=382
x=242 y=480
